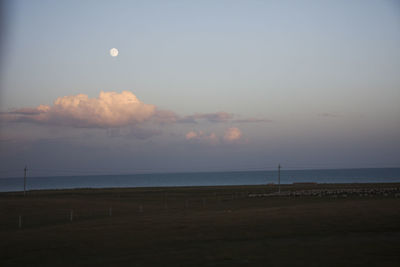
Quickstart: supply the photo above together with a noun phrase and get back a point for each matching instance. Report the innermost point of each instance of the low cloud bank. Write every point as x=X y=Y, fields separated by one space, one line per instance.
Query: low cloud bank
x=211 y=117
x=251 y=120
x=112 y=110
x=231 y=135
x=203 y=137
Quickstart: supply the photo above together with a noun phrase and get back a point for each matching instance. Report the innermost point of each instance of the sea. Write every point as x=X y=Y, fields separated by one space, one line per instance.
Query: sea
x=366 y=175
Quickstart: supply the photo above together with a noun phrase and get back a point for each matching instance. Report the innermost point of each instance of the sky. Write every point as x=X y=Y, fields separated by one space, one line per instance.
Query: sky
x=198 y=86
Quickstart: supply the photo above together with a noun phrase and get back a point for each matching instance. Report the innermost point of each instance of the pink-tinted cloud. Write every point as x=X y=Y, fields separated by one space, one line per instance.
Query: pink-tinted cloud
x=202 y=137
x=232 y=134
x=191 y=135
x=109 y=109
x=123 y=112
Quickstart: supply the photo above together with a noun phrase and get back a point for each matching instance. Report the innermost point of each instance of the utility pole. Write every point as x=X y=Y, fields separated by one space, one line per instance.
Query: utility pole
x=25 y=169
x=279 y=178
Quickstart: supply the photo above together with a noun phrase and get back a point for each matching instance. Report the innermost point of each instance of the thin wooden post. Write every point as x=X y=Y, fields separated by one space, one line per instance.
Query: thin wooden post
x=165 y=201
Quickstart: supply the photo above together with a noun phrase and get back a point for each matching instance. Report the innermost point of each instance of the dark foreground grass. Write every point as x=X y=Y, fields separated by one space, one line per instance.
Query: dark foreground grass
x=199 y=226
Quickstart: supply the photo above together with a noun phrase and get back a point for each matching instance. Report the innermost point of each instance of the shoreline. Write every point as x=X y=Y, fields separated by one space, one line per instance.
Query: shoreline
x=207 y=172
x=290 y=186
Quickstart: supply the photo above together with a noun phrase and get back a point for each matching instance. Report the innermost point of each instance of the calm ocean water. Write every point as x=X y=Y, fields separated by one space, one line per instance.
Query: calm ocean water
x=378 y=175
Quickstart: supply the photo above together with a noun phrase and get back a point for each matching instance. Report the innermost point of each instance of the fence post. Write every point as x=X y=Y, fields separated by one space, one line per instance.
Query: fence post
x=165 y=201
x=71 y=215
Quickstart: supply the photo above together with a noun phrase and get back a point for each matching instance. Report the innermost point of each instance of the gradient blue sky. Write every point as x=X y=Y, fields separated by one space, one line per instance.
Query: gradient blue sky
x=321 y=76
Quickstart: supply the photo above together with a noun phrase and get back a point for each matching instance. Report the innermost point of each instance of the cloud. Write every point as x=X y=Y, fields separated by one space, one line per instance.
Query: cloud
x=110 y=109
x=202 y=137
x=232 y=134
x=165 y=117
x=31 y=111
x=216 y=117
x=251 y=120
x=191 y=135
x=123 y=111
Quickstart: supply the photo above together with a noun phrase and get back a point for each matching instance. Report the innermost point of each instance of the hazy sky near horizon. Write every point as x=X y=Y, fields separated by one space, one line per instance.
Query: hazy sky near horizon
x=205 y=85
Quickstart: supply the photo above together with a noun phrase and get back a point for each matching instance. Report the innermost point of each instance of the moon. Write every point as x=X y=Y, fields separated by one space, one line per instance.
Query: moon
x=114 y=52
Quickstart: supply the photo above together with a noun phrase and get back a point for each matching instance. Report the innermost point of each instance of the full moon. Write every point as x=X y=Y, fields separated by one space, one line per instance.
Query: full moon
x=114 y=52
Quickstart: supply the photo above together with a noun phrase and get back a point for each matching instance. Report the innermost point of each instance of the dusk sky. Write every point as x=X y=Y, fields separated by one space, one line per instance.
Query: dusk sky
x=198 y=86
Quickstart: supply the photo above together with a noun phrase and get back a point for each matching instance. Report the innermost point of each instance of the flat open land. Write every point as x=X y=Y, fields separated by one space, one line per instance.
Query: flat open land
x=306 y=225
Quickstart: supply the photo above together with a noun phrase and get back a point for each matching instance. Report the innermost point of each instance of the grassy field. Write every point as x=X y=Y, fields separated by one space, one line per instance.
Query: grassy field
x=202 y=226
